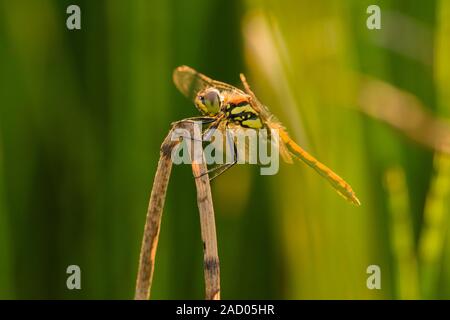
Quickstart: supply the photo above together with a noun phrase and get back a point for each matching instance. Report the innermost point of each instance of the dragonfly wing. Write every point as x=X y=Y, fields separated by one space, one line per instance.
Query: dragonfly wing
x=190 y=82
x=274 y=124
x=255 y=103
x=285 y=154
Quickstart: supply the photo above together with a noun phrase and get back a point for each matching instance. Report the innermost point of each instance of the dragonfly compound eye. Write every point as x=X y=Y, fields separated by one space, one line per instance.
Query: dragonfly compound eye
x=212 y=101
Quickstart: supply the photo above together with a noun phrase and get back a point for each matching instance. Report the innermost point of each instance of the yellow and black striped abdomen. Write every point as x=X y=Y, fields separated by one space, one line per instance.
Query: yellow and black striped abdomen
x=243 y=114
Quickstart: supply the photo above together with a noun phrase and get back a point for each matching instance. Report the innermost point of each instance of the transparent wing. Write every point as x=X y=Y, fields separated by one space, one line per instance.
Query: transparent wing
x=263 y=111
x=269 y=119
x=190 y=82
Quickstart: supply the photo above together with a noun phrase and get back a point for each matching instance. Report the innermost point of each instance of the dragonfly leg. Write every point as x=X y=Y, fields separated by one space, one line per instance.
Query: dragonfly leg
x=202 y=119
x=209 y=132
x=190 y=138
x=224 y=167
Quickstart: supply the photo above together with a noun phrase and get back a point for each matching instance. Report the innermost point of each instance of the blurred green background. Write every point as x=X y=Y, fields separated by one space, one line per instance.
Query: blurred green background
x=83 y=113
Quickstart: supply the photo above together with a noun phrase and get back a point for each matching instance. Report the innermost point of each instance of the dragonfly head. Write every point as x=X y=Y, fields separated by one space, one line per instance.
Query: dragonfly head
x=209 y=101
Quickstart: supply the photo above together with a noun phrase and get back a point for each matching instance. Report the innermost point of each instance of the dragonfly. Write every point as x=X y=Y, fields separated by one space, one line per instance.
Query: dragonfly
x=225 y=106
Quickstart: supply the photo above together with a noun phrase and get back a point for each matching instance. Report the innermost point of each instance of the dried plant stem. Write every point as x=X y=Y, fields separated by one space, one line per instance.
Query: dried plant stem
x=208 y=229
x=153 y=221
x=154 y=214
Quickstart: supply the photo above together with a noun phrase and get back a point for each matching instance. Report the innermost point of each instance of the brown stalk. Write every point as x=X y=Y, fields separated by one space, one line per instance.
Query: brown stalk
x=153 y=221
x=154 y=214
x=208 y=229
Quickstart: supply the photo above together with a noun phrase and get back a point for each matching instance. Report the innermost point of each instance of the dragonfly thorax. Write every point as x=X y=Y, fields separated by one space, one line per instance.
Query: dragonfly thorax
x=242 y=113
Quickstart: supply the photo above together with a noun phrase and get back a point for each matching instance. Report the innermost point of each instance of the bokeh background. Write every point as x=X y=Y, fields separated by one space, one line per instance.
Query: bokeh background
x=83 y=113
